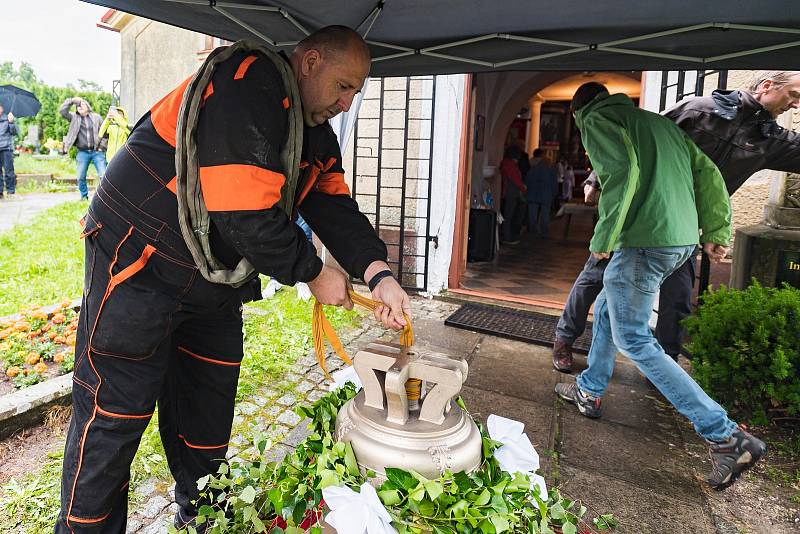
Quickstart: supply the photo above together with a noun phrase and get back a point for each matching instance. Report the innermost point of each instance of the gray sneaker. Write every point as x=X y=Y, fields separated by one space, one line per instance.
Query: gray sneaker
x=588 y=406
x=733 y=457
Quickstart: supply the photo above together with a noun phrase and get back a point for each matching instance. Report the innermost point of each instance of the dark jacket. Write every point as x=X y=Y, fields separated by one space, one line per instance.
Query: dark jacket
x=7 y=132
x=738 y=134
x=542 y=183
x=242 y=176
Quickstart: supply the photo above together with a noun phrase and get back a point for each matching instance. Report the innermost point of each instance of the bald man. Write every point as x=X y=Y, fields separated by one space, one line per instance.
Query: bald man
x=156 y=326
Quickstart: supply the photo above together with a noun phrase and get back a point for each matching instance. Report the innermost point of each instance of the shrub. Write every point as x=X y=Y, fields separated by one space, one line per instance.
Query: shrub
x=746 y=349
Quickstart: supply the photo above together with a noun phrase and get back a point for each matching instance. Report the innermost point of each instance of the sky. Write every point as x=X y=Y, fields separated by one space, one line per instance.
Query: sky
x=61 y=41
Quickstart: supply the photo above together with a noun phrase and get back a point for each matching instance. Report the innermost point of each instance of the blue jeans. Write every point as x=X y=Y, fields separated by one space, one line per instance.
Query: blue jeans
x=7 y=168
x=539 y=218
x=84 y=157
x=630 y=284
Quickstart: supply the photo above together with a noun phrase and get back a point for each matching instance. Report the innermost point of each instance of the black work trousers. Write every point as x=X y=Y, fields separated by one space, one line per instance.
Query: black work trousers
x=674 y=304
x=153 y=332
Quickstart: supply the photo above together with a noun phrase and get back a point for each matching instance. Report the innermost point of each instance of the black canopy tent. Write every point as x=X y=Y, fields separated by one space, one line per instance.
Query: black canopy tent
x=410 y=37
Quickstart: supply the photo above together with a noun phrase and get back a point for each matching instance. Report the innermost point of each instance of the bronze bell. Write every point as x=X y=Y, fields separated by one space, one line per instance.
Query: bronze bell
x=436 y=437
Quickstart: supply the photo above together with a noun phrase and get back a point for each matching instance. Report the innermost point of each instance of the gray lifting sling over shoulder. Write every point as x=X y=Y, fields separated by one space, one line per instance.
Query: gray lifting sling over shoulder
x=192 y=212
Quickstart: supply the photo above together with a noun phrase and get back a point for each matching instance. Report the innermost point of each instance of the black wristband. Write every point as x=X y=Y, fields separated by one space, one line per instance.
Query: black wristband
x=373 y=282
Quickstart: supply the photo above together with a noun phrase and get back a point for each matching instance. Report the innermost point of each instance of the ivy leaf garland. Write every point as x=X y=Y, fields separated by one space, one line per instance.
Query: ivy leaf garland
x=247 y=496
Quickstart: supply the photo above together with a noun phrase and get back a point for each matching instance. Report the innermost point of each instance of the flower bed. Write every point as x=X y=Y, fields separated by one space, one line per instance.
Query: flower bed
x=37 y=344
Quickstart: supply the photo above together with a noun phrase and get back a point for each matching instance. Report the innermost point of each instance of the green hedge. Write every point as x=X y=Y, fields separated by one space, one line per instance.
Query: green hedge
x=746 y=350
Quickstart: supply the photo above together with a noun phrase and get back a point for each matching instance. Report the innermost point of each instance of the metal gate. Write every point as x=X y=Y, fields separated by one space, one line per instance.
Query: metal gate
x=392 y=171
x=675 y=86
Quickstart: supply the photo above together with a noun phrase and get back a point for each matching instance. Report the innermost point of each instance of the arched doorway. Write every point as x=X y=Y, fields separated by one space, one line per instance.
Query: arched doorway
x=530 y=110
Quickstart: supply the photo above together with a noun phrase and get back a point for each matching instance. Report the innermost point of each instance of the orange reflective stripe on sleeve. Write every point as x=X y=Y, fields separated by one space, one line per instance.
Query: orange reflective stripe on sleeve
x=164 y=114
x=237 y=187
x=243 y=66
x=332 y=183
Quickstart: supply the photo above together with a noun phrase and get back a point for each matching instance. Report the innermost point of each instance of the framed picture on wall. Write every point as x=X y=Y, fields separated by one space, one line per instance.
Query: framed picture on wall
x=480 y=125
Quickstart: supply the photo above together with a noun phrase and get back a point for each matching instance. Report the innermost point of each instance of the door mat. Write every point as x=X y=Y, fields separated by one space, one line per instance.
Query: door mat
x=520 y=325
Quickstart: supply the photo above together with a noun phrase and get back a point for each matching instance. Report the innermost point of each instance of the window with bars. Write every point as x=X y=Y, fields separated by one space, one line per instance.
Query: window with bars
x=392 y=171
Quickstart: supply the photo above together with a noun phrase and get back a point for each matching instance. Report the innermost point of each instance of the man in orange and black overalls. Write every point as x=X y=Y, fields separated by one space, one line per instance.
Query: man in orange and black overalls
x=154 y=331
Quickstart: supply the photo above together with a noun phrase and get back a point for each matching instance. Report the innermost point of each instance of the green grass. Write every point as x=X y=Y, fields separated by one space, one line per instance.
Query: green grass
x=63 y=166
x=42 y=262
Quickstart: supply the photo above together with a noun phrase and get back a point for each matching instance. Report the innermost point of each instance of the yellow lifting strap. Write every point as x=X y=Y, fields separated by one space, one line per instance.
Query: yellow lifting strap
x=322 y=329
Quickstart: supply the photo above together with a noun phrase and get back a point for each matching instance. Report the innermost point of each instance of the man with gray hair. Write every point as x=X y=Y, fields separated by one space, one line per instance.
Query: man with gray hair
x=738 y=131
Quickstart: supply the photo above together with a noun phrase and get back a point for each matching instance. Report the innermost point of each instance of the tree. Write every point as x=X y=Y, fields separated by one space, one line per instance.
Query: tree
x=88 y=85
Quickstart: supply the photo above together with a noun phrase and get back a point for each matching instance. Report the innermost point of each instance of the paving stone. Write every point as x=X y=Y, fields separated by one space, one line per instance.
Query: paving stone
x=274 y=410
x=316 y=395
x=146 y=488
x=315 y=376
x=277 y=452
x=514 y=368
x=159 y=525
x=304 y=387
x=649 y=459
x=247 y=408
x=298 y=434
x=639 y=510
x=287 y=400
x=133 y=525
x=154 y=506
x=294 y=376
x=289 y=418
x=434 y=335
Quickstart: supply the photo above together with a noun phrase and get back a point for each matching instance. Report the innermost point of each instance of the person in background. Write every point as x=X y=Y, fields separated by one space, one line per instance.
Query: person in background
x=569 y=182
x=7 y=132
x=542 y=184
x=661 y=196
x=115 y=127
x=511 y=188
x=84 y=133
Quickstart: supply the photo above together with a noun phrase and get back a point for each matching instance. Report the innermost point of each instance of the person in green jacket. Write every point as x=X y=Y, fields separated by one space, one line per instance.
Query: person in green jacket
x=661 y=196
x=115 y=126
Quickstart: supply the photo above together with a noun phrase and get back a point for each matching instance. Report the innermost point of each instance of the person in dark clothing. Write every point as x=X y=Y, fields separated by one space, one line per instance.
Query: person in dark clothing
x=154 y=329
x=738 y=131
x=542 y=185
x=511 y=189
x=7 y=132
x=84 y=133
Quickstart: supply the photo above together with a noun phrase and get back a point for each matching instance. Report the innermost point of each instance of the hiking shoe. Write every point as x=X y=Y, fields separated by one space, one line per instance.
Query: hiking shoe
x=733 y=457
x=588 y=406
x=562 y=356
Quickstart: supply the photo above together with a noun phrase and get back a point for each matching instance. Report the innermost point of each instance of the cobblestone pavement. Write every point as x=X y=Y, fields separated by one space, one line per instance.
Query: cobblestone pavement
x=20 y=209
x=270 y=412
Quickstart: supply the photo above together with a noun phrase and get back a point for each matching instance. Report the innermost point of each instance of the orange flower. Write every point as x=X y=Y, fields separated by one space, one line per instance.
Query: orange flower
x=47 y=327
x=71 y=340
x=66 y=303
x=20 y=326
x=32 y=358
x=5 y=333
x=60 y=339
x=52 y=335
x=13 y=371
x=58 y=357
x=40 y=368
x=58 y=318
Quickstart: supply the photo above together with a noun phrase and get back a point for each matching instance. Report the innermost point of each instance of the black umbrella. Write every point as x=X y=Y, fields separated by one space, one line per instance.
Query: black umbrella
x=18 y=101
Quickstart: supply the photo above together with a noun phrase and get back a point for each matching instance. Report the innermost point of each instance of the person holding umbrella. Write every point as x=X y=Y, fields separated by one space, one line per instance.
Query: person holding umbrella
x=7 y=132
